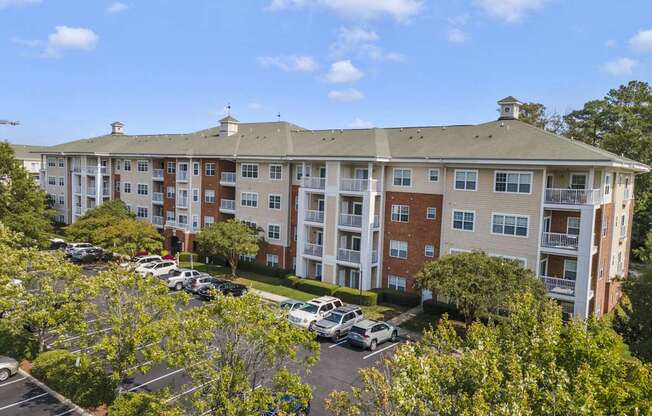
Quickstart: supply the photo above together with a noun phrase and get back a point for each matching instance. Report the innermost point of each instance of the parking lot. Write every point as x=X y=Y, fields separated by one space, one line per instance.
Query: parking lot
x=20 y=396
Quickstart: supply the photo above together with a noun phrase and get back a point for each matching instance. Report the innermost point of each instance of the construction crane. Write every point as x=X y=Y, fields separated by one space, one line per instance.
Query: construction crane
x=11 y=123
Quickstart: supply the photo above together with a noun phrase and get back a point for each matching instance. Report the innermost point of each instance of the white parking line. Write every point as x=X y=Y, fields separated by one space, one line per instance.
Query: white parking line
x=339 y=343
x=189 y=391
x=67 y=412
x=154 y=380
x=79 y=336
x=23 y=401
x=379 y=351
x=12 y=381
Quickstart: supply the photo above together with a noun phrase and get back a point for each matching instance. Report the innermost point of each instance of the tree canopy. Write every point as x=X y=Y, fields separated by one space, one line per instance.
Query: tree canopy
x=633 y=318
x=229 y=239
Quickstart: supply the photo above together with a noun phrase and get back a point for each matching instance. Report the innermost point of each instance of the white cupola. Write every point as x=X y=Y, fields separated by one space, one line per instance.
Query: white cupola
x=228 y=126
x=509 y=108
x=117 y=128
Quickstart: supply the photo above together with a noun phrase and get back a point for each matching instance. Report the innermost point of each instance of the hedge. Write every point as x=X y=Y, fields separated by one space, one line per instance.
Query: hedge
x=396 y=297
x=262 y=269
x=86 y=385
x=290 y=280
x=433 y=307
x=350 y=295
x=315 y=287
x=185 y=256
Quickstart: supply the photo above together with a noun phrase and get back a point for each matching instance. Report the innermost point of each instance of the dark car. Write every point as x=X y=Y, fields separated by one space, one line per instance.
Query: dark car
x=207 y=292
x=89 y=255
x=193 y=284
x=288 y=405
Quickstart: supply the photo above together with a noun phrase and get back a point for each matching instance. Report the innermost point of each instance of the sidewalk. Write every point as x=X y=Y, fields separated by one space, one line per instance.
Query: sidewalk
x=268 y=296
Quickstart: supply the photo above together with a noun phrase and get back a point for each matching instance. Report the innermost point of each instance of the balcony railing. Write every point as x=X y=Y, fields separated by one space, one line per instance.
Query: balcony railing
x=157 y=197
x=559 y=240
x=227 y=204
x=157 y=220
x=92 y=170
x=171 y=223
x=182 y=202
x=90 y=190
x=77 y=210
x=572 y=196
x=77 y=189
x=313 y=250
x=558 y=285
x=182 y=176
x=315 y=216
x=350 y=256
x=157 y=174
x=76 y=169
x=351 y=220
x=313 y=183
x=357 y=185
x=227 y=178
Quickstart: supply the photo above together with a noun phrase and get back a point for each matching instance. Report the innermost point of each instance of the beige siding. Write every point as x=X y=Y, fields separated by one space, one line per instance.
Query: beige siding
x=134 y=178
x=621 y=207
x=420 y=179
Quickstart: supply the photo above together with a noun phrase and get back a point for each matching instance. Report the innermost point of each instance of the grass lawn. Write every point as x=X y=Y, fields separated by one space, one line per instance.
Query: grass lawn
x=423 y=321
x=383 y=312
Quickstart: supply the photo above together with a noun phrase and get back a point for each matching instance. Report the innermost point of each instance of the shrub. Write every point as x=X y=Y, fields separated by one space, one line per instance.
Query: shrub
x=19 y=344
x=262 y=269
x=87 y=385
x=433 y=307
x=315 y=287
x=396 y=297
x=185 y=256
x=350 y=295
x=290 y=280
x=141 y=403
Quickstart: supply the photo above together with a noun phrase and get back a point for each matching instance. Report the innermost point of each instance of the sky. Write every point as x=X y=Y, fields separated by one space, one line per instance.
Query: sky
x=70 y=68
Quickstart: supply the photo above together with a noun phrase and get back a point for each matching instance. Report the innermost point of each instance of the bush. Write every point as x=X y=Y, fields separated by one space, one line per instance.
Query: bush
x=262 y=269
x=396 y=297
x=141 y=403
x=17 y=343
x=315 y=287
x=433 y=307
x=290 y=280
x=185 y=256
x=350 y=295
x=86 y=385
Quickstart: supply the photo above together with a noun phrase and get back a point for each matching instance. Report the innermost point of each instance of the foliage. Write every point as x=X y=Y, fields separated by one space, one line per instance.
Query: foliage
x=262 y=269
x=433 y=307
x=85 y=384
x=230 y=239
x=141 y=403
x=530 y=364
x=644 y=251
x=99 y=218
x=241 y=355
x=396 y=297
x=316 y=287
x=477 y=283
x=128 y=236
x=537 y=115
x=23 y=204
x=634 y=316
x=350 y=295
x=17 y=342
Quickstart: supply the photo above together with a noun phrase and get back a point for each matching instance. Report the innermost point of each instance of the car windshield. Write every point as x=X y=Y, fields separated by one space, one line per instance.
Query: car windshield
x=334 y=317
x=358 y=330
x=310 y=308
x=175 y=272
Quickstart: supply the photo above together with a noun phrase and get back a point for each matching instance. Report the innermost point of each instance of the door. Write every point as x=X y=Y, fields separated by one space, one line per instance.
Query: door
x=341 y=277
x=550 y=183
x=345 y=207
x=320 y=236
x=322 y=172
x=318 y=270
x=361 y=173
x=357 y=208
x=355 y=243
x=543 y=267
x=320 y=205
x=546 y=224
x=355 y=279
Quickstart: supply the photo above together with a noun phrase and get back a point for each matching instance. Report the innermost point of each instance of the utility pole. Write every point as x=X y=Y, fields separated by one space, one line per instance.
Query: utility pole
x=9 y=122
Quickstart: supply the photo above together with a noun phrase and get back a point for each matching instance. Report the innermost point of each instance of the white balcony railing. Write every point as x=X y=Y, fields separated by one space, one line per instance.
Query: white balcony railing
x=227 y=204
x=350 y=256
x=77 y=210
x=92 y=170
x=77 y=189
x=90 y=190
x=182 y=202
x=315 y=216
x=227 y=178
x=171 y=223
x=558 y=285
x=182 y=176
x=358 y=185
x=572 y=196
x=313 y=250
x=157 y=197
x=157 y=174
x=351 y=220
x=76 y=169
x=157 y=220
x=559 y=240
x=313 y=183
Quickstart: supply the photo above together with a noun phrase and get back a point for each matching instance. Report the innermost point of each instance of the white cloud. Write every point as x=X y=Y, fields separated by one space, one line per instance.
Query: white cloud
x=343 y=71
x=289 y=63
x=400 y=10
x=346 y=96
x=622 y=66
x=66 y=37
x=4 y=4
x=642 y=41
x=610 y=43
x=359 y=123
x=359 y=42
x=457 y=36
x=117 y=7
x=255 y=106
x=511 y=11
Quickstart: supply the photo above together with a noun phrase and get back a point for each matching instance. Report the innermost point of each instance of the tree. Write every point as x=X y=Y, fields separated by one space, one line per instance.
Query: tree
x=529 y=364
x=90 y=225
x=23 y=205
x=477 y=283
x=243 y=356
x=230 y=239
x=141 y=403
x=537 y=115
x=633 y=318
x=128 y=236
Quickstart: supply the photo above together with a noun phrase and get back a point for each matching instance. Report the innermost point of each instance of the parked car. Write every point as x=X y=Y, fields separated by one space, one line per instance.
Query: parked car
x=314 y=310
x=288 y=404
x=57 y=243
x=139 y=261
x=87 y=255
x=156 y=269
x=177 y=277
x=72 y=247
x=207 y=291
x=291 y=304
x=337 y=323
x=368 y=334
x=8 y=367
x=169 y=257
x=193 y=284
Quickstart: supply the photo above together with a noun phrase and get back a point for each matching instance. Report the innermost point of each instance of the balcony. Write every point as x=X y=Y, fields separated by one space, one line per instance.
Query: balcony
x=350 y=220
x=376 y=222
x=313 y=250
x=77 y=210
x=572 y=196
x=558 y=286
x=182 y=176
x=157 y=197
x=157 y=220
x=227 y=179
x=374 y=256
x=313 y=183
x=92 y=170
x=315 y=216
x=76 y=169
x=349 y=256
x=157 y=174
x=227 y=206
x=559 y=240
x=182 y=202
x=357 y=185
x=90 y=190
x=171 y=223
x=77 y=189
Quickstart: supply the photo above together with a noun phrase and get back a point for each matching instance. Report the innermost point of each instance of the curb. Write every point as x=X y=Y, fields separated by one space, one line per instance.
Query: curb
x=54 y=394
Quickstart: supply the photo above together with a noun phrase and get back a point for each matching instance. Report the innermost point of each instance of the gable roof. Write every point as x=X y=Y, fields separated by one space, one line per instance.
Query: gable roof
x=27 y=152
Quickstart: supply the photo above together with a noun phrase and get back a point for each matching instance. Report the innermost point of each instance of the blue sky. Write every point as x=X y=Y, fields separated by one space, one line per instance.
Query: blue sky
x=69 y=68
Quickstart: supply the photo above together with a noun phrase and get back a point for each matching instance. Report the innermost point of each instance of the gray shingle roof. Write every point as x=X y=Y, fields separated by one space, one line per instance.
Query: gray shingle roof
x=26 y=152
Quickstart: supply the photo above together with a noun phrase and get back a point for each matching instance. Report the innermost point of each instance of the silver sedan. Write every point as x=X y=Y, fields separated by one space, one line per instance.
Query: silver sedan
x=8 y=367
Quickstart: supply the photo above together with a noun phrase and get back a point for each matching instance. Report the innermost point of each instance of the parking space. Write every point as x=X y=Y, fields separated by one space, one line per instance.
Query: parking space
x=20 y=396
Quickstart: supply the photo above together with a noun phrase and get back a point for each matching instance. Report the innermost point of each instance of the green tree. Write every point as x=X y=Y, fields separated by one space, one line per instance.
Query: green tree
x=90 y=225
x=141 y=403
x=537 y=115
x=243 y=356
x=128 y=236
x=633 y=318
x=229 y=239
x=529 y=364
x=476 y=283
x=23 y=205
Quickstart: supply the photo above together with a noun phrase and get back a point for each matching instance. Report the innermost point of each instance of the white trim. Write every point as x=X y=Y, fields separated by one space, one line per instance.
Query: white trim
x=454 y=250
x=269 y=171
x=516 y=216
x=477 y=180
x=563 y=274
x=425 y=250
x=251 y=193
x=144 y=184
x=503 y=256
x=402 y=168
x=438 y=175
x=545 y=272
x=391 y=213
x=280 y=229
x=453 y=211
x=280 y=201
x=586 y=182
x=407 y=247
x=242 y=165
x=519 y=172
x=579 y=220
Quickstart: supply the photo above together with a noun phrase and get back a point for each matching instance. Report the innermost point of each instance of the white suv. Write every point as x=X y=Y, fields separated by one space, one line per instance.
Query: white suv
x=313 y=311
x=139 y=261
x=176 y=278
x=156 y=269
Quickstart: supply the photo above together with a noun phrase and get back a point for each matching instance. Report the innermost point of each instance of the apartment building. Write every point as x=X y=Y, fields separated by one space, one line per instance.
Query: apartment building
x=29 y=157
x=366 y=208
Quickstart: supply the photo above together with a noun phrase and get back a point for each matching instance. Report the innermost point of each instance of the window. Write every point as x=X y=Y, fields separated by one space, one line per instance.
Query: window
x=169 y=216
x=607 y=184
x=61 y=200
x=402 y=177
x=300 y=171
x=513 y=182
x=570 y=269
x=142 y=189
x=247 y=258
x=52 y=162
x=172 y=167
x=117 y=186
x=573 y=226
x=274 y=232
x=182 y=219
x=118 y=164
x=520 y=260
x=251 y=224
x=195 y=221
x=275 y=172
x=623 y=227
x=274 y=201
x=396 y=283
x=400 y=213
x=195 y=195
x=431 y=213
x=142 y=212
x=249 y=170
x=509 y=225
x=195 y=168
x=429 y=250
x=142 y=166
x=170 y=192
x=126 y=187
x=272 y=260
x=210 y=169
x=433 y=175
x=466 y=180
x=209 y=196
x=398 y=249
x=249 y=199
x=52 y=180
x=127 y=165
x=578 y=181
x=62 y=162
x=463 y=220
x=62 y=181
x=208 y=220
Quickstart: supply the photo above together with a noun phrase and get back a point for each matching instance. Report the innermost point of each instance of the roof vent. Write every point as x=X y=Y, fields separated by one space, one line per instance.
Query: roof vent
x=509 y=108
x=229 y=126
x=117 y=128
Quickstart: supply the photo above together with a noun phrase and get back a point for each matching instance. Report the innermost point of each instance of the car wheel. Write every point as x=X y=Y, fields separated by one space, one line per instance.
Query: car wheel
x=394 y=337
x=178 y=286
x=311 y=327
x=4 y=374
x=373 y=345
x=337 y=336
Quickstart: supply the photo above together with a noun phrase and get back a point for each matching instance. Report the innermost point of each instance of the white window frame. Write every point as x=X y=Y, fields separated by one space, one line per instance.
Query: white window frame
x=575 y=174
x=568 y=225
x=138 y=187
x=463 y=211
x=565 y=269
x=61 y=162
x=521 y=260
x=271 y=176
x=269 y=231
x=434 y=209
x=466 y=172
x=250 y=166
x=170 y=192
x=126 y=187
x=52 y=180
x=430 y=172
x=273 y=263
x=138 y=211
x=454 y=250
x=398 y=249
x=171 y=167
x=425 y=250
x=607 y=184
x=196 y=169
x=170 y=216
x=394 y=171
x=269 y=201
x=397 y=213
x=516 y=218
x=195 y=221
x=209 y=196
x=253 y=196
x=518 y=184
x=139 y=166
x=209 y=169
x=126 y=165
x=396 y=279
x=52 y=162
x=300 y=174
x=208 y=220
x=61 y=181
